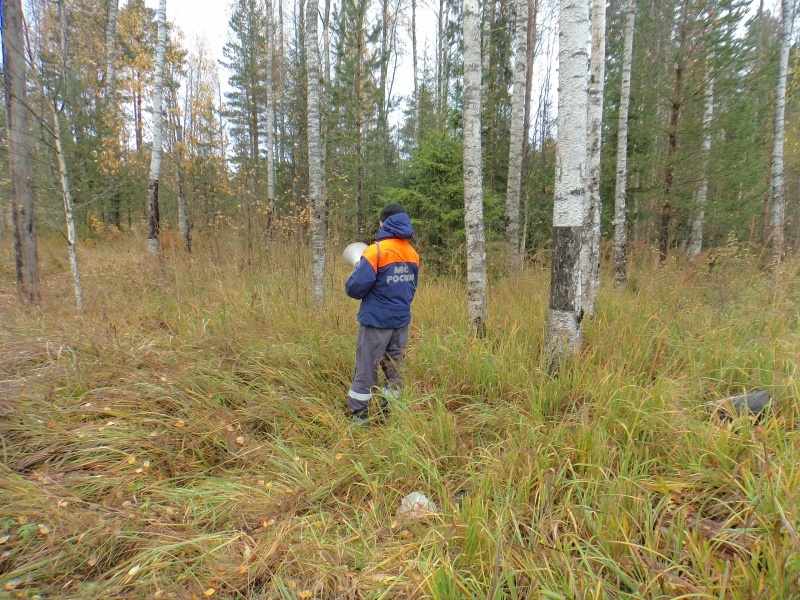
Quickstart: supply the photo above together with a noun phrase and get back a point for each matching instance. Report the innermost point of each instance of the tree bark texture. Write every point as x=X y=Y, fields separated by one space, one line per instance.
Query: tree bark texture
x=699 y=216
x=63 y=172
x=20 y=146
x=564 y=316
x=590 y=250
x=778 y=202
x=316 y=200
x=526 y=127
x=111 y=48
x=672 y=146
x=620 y=193
x=473 y=171
x=515 y=152
x=155 y=161
x=269 y=113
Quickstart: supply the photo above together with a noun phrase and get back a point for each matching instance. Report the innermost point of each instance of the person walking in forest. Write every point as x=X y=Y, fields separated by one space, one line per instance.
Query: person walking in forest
x=385 y=280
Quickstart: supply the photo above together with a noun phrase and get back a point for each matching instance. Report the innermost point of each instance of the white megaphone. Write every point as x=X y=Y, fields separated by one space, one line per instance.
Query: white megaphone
x=352 y=254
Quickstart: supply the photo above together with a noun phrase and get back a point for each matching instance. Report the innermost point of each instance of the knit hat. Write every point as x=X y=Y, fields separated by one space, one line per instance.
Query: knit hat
x=393 y=208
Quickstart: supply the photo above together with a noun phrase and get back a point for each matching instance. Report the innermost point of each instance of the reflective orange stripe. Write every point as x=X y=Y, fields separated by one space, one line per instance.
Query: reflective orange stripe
x=391 y=251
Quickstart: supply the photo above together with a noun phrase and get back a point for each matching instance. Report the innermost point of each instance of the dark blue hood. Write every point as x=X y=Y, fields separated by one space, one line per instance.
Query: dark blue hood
x=396 y=226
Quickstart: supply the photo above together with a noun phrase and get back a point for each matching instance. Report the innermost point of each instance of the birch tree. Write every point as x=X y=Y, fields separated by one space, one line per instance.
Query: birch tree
x=514 y=184
x=56 y=108
x=590 y=251
x=20 y=144
x=111 y=48
x=778 y=202
x=155 y=162
x=621 y=190
x=565 y=314
x=269 y=112
x=698 y=218
x=473 y=171
x=315 y=198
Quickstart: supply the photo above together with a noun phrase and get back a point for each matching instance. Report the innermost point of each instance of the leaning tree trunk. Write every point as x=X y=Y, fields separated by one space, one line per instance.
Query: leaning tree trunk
x=155 y=162
x=66 y=190
x=590 y=251
x=66 y=194
x=20 y=150
x=778 y=200
x=316 y=200
x=514 y=184
x=564 y=316
x=699 y=216
x=620 y=194
x=473 y=171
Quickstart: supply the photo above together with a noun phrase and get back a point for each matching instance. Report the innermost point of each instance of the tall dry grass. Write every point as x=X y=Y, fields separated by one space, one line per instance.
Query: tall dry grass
x=186 y=438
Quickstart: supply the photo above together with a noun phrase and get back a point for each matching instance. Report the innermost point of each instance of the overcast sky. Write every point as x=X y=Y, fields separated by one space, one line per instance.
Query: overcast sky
x=208 y=20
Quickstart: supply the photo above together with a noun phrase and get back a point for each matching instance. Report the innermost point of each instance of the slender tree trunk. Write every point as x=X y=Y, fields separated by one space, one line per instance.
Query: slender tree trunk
x=620 y=194
x=526 y=127
x=137 y=115
x=327 y=39
x=316 y=199
x=590 y=251
x=155 y=162
x=473 y=171
x=565 y=313
x=269 y=125
x=66 y=191
x=699 y=216
x=111 y=48
x=20 y=150
x=672 y=147
x=414 y=62
x=66 y=194
x=110 y=105
x=514 y=184
x=778 y=202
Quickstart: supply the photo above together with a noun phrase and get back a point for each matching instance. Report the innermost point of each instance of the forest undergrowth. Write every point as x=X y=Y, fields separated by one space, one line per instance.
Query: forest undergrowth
x=186 y=438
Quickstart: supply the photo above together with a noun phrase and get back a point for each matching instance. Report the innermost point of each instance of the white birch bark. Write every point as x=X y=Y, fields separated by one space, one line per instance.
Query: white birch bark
x=590 y=250
x=111 y=48
x=564 y=315
x=315 y=196
x=158 y=96
x=66 y=194
x=473 y=171
x=269 y=113
x=66 y=191
x=699 y=216
x=778 y=204
x=514 y=184
x=621 y=191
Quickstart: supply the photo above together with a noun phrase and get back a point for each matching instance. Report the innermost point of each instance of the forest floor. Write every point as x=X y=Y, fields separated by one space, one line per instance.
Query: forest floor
x=186 y=437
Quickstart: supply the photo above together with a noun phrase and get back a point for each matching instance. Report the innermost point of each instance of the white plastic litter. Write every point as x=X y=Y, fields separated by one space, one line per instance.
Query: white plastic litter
x=415 y=506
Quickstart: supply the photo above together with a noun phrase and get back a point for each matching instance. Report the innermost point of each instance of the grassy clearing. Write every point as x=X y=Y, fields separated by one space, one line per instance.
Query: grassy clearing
x=186 y=439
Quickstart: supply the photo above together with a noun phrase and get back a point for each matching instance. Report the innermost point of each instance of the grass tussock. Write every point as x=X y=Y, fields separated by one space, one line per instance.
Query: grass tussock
x=186 y=438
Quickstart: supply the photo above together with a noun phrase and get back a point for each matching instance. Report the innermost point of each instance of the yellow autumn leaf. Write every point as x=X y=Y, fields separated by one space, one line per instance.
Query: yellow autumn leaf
x=179 y=423
x=131 y=460
x=43 y=529
x=134 y=570
x=209 y=592
x=305 y=594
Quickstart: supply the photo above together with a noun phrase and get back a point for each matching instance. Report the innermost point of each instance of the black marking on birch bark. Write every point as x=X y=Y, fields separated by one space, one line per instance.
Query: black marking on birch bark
x=565 y=272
